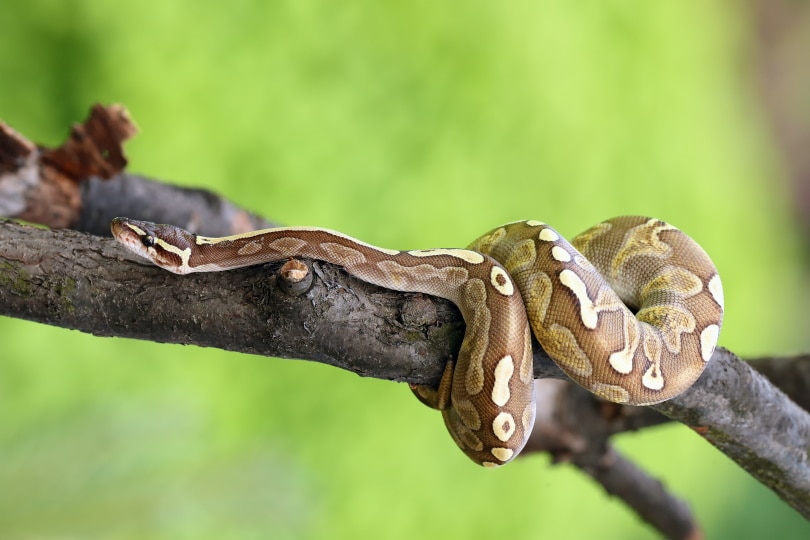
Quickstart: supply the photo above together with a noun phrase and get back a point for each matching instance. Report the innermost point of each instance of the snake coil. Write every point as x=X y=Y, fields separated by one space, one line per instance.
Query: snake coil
x=630 y=309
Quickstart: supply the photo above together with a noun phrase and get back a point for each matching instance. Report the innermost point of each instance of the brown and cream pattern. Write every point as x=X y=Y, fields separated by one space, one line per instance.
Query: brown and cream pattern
x=631 y=309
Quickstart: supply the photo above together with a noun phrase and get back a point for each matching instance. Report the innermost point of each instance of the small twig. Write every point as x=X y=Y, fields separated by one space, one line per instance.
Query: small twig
x=295 y=278
x=647 y=496
x=574 y=426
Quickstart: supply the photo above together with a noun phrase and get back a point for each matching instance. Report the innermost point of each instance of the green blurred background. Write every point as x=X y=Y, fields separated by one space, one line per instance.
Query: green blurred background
x=409 y=125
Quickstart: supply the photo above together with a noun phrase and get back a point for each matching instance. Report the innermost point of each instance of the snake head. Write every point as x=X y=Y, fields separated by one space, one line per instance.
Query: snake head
x=167 y=246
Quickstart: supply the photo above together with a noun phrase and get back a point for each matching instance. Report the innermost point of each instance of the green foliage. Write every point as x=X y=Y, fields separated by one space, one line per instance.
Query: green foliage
x=410 y=125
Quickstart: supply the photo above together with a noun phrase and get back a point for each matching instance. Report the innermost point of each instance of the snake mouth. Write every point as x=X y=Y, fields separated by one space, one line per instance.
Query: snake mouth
x=119 y=230
x=163 y=245
x=131 y=236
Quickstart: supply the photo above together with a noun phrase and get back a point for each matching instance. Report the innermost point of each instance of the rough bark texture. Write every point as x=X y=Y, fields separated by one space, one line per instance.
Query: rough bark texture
x=751 y=421
x=790 y=374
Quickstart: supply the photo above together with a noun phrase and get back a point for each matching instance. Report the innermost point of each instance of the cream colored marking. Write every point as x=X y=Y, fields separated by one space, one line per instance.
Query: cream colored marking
x=526 y=372
x=610 y=392
x=622 y=361
x=503 y=374
x=472 y=257
x=673 y=280
x=651 y=344
x=527 y=418
x=287 y=245
x=501 y=281
x=138 y=230
x=490 y=465
x=652 y=378
x=708 y=340
x=587 y=309
x=345 y=237
x=396 y=274
x=343 y=253
x=560 y=254
x=250 y=248
x=406 y=277
x=548 y=235
x=184 y=255
x=534 y=223
x=503 y=454
x=208 y=240
x=503 y=426
x=642 y=239
x=673 y=320
x=716 y=289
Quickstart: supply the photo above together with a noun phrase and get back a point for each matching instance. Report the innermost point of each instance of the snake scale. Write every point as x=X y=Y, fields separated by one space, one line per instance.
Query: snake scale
x=630 y=309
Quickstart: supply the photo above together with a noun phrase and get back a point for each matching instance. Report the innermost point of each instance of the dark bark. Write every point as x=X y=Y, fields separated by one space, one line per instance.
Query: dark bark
x=790 y=374
x=198 y=210
x=751 y=421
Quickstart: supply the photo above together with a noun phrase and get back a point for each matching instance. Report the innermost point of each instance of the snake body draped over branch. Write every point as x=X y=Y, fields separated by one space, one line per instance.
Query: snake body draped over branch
x=631 y=309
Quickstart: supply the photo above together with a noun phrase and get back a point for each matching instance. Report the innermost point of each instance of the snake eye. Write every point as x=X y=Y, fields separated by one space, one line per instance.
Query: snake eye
x=148 y=241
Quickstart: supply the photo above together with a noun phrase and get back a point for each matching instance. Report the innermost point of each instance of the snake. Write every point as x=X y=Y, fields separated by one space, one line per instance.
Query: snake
x=630 y=309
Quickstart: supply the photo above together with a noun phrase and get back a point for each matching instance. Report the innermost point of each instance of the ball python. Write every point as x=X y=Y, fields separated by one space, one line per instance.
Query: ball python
x=630 y=309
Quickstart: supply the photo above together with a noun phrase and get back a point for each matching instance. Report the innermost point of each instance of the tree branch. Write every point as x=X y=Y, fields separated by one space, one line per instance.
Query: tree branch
x=790 y=374
x=575 y=427
x=751 y=421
